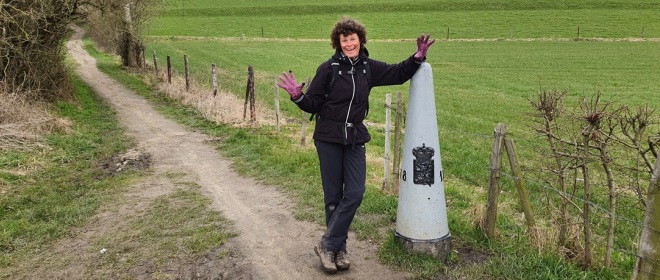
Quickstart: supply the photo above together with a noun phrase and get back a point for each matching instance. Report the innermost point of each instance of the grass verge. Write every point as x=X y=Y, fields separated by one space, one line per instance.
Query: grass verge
x=66 y=185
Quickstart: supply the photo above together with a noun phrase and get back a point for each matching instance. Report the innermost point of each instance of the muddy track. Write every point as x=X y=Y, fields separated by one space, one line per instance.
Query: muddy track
x=273 y=243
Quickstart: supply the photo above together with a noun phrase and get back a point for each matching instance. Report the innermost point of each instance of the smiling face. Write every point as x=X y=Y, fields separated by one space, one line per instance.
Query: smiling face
x=350 y=45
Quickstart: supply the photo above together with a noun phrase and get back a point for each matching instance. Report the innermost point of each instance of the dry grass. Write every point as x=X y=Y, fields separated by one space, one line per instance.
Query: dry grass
x=22 y=127
x=227 y=108
x=544 y=237
x=23 y=123
x=224 y=108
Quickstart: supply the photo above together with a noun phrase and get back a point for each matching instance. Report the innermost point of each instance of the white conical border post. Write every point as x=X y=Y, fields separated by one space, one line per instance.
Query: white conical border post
x=421 y=223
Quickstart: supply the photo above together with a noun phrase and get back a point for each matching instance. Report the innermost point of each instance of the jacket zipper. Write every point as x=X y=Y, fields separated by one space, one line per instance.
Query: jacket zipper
x=350 y=104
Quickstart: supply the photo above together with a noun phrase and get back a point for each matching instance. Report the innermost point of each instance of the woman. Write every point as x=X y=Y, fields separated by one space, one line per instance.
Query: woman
x=339 y=97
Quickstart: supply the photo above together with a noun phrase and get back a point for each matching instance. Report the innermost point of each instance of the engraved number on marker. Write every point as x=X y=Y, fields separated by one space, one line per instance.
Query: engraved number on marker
x=403 y=175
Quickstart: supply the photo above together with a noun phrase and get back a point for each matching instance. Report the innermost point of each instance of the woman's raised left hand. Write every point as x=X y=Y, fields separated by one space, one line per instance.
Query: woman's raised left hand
x=423 y=45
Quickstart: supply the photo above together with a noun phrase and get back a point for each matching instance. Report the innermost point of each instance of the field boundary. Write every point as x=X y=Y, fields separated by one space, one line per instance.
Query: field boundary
x=259 y=39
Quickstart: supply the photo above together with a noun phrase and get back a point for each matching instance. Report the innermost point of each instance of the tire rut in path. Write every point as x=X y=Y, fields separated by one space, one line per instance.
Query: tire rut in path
x=275 y=244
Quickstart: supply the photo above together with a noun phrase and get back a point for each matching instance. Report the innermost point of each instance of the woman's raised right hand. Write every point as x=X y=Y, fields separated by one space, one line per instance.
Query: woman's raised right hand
x=290 y=85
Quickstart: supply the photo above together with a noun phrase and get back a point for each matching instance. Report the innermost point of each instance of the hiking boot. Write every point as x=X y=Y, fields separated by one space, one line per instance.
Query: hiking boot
x=327 y=258
x=341 y=260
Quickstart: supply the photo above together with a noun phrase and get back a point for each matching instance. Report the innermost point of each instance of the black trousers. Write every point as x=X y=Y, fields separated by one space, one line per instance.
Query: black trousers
x=343 y=174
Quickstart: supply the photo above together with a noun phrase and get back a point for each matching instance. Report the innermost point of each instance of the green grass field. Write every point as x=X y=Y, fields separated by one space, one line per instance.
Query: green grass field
x=477 y=84
x=406 y=19
x=526 y=47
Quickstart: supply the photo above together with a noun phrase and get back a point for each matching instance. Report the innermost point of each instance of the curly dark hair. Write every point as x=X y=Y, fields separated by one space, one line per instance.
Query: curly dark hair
x=347 y=26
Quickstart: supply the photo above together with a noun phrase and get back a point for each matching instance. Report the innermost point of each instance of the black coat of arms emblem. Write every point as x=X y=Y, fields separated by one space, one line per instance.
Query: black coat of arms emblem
x=423 y=165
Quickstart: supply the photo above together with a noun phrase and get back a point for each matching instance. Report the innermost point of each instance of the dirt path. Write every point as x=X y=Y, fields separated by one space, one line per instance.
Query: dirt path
x=273 y=243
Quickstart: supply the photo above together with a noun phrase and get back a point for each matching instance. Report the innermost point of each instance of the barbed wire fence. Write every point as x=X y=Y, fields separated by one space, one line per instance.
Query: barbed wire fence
x=538 y=186
x=475 y=169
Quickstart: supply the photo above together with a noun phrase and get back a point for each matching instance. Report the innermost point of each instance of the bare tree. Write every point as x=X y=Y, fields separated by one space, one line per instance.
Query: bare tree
x=607 y=131
x=116 y=26
x=549 y=105
x=634 y=125
x=594 y=114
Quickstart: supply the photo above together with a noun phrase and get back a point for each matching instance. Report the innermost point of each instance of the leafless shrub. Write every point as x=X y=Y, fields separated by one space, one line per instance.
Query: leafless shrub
x=596 y=147
x=31 y=49
x=31 y=52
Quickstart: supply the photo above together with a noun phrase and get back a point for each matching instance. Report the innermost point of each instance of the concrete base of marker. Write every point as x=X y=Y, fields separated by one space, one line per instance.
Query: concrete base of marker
x=439 y=248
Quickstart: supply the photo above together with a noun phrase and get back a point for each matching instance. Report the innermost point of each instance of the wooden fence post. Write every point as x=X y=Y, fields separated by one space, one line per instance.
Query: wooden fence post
x=494 y=181
x=169 y=70
x=143 y=51
x=520 y=186
x=398 y=123
x=185 y=63
x=249 y=94
x=155 y=63
x=277 y=105
x=648 y=253
x=386 y=156
x=253 y=101
x=214 y=74
x=305 y=121
x=586 y=212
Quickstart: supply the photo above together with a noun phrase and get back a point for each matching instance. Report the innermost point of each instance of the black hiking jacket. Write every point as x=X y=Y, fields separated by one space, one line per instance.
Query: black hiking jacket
x=340 y=113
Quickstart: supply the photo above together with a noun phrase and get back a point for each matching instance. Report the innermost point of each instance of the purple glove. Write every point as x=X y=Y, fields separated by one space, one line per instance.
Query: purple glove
x=289 y=84
x=423 y=45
